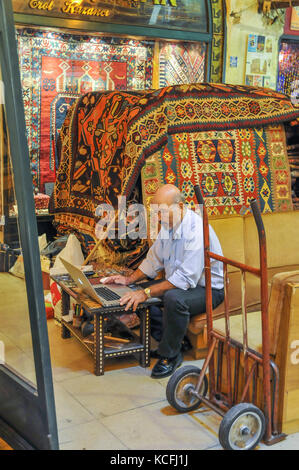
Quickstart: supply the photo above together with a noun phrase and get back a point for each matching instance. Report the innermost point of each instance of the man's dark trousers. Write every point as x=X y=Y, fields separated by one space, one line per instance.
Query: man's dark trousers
x=170 y=327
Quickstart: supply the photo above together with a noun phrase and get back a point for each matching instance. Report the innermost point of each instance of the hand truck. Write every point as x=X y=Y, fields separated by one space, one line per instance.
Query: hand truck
x=243 y=425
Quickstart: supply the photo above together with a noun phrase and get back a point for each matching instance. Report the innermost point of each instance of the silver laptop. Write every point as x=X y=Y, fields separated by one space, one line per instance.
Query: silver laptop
x=107 y=294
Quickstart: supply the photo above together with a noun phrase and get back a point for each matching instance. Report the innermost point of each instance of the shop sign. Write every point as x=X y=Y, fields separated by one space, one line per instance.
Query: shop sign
x=79 y=7
x=69 y=7
x=190 y=15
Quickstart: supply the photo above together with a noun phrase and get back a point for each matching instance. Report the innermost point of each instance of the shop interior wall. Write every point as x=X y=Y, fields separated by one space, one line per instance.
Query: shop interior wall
x=250 y=22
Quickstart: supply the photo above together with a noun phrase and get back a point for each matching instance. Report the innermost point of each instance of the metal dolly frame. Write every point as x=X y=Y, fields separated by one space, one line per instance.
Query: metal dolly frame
x=244 y=425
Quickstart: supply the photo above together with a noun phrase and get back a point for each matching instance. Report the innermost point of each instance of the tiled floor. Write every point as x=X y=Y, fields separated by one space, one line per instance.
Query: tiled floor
x=124 y=409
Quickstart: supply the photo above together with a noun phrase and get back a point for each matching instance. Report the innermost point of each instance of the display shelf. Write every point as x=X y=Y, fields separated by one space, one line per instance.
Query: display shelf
x=128 y=348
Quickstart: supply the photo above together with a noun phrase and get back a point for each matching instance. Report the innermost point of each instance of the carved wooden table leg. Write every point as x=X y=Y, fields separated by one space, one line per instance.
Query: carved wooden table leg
x=145 y=337
x=65 y=306
x=65 y=332
x=98 y=351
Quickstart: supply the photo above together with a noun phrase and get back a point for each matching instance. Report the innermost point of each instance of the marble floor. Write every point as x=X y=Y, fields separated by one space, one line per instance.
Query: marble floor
x=124 y=409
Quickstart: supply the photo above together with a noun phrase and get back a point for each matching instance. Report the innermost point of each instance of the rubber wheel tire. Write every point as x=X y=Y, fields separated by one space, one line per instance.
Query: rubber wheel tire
x=230 y=419
x=176 y=380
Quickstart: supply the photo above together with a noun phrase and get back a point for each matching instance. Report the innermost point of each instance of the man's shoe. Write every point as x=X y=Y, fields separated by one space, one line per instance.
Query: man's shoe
x=166 y=366
x=154 y=353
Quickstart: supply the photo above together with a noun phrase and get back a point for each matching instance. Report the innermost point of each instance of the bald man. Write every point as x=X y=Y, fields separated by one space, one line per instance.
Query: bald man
x=179 y=250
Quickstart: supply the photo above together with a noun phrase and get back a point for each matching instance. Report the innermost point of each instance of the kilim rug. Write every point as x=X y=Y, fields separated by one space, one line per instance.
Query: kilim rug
x=231 y=167
x=91 y=147
x=182 y=63
x=189 y=109
x=56 y=68
x=230 y=139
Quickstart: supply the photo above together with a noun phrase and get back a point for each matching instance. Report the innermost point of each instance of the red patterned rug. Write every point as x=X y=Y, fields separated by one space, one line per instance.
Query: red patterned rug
x=231 y=167
x=230 y=139
x=78 y=77
x=57 y=68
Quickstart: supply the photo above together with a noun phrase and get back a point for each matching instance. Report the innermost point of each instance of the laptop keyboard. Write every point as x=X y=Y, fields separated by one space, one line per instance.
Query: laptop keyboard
x=106 y=293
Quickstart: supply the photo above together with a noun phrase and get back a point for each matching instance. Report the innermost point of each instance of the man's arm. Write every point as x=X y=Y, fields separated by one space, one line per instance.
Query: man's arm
x=133 y=299
x=149 y=267
x=137 y=275
x=153 y=262
x=159 y=289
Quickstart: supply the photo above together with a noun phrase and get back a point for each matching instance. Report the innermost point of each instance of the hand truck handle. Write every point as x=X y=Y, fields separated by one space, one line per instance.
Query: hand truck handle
x=258 y=218
x=199 y=195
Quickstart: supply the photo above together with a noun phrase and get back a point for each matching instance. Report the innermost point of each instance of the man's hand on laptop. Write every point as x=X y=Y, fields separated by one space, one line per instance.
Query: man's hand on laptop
x=133 y=299
x=117 y=279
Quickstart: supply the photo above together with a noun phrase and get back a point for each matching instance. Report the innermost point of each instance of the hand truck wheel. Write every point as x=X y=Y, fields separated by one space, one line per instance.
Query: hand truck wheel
x=179 y=386
x=242 y=428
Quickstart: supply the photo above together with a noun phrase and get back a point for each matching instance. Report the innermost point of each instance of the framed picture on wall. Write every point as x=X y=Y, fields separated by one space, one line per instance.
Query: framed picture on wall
x=259 y=57
x=292 y=21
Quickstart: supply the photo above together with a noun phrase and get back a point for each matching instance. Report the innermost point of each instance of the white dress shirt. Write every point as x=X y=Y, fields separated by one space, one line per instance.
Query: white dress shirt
x=181 y=253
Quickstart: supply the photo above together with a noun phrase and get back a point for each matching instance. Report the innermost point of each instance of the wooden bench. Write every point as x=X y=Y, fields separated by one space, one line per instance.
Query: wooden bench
x=239 y=241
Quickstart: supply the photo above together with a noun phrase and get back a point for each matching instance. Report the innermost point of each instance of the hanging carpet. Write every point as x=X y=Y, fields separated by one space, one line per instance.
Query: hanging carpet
x=229 y=139
x=232 y=168
x=57 y=68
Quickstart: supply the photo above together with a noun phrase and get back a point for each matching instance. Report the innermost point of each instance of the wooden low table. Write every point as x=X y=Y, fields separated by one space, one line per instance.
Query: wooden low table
x=139 y=346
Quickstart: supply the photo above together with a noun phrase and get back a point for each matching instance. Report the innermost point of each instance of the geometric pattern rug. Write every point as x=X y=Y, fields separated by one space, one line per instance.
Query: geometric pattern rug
x=108 y=136
x=90 y=145
x=204 y=112
x=231 y=167
x=57 y=68
x=229 y=139
x=205 y=130
x=181 y=63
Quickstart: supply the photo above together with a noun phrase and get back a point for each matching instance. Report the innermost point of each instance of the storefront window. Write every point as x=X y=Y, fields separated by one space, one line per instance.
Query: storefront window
x=187 y=15
x=58 y=66
x=16 y=349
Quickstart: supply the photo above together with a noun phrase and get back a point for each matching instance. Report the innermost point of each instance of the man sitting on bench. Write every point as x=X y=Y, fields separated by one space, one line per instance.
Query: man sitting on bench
x=179 y=250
